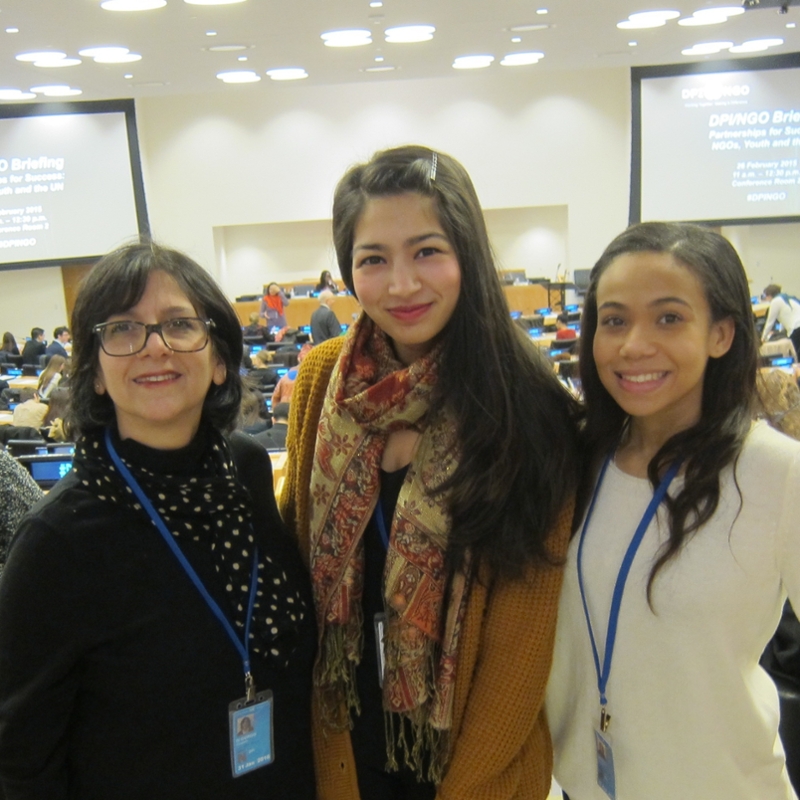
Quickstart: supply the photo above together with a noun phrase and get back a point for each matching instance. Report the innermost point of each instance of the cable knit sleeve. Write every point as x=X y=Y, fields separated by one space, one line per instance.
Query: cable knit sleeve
x=502 y=748
x=304 y=414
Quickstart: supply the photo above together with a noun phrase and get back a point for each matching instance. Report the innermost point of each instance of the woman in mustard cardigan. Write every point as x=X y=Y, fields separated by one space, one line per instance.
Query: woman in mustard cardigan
x=429 y=481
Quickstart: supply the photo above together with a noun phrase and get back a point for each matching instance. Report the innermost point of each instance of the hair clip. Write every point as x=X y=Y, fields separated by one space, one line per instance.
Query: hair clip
x=434 y=162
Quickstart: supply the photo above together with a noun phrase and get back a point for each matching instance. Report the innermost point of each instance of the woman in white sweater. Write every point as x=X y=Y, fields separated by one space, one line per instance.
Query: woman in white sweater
x=655 y=690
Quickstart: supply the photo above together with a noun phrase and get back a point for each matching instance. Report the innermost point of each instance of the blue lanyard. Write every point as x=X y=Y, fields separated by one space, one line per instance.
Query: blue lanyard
x=381 y=523
x=242 y=647
x=622 y=577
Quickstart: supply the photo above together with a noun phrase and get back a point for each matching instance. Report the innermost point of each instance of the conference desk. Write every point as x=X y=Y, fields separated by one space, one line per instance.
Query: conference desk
x=300 y=309
x=20 y=381
x=6 y=417
x=526 y=298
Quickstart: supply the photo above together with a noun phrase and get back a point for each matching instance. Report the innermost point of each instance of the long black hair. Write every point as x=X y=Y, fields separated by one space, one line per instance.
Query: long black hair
x=729 y=382
x=516 y=423
x=114 y=285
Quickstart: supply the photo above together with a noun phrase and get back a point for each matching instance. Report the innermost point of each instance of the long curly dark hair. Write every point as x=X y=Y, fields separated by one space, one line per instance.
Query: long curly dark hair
x=729 y=383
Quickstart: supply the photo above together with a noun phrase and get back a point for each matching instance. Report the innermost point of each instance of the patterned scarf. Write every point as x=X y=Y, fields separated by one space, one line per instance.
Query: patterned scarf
x=207 y=505
x=369 y=396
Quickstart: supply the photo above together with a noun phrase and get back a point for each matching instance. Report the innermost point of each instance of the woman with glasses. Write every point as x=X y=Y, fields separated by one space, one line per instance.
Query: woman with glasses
x=154 y=600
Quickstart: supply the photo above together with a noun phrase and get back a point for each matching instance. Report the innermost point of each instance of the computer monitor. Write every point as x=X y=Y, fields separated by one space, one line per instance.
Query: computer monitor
x=47 y=469
x=543 y=311
x=302 y=291
x=516 y=314
x=580 y=277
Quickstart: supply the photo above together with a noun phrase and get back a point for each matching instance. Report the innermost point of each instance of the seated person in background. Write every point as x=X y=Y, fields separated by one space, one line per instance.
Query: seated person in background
x=51 y=376
x=255 y=333
x=9 y=344
x=563 y=331
x=31 y=411
x=285 y=387
x=55 y=428
x=253 y=417
x=274 y=438
x=783 y=309
x=18 y=493
x=34 y=347
x=326 y=282
x=61 y=338
x=324 y=324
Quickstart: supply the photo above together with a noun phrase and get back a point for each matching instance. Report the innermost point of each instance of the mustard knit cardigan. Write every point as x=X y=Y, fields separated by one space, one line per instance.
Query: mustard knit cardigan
x=501 y=744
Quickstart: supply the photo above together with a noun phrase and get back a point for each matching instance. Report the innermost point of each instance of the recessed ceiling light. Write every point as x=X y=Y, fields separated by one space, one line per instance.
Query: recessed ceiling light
x=132 y=5
x=516 y=39
x=711 y=16
x=15 y=94
x=212 y=2
x=41 y=55
x=227 y=48
x=521 y=59
x=707 y=48
x=211 y=33
x=12 y=30
x=647 y=19
x=379 y=59
x=533 y=26
x=56 y=90
x=633 y=44
x=409 y=33
x=384 y=68
x=541 y=10
x=241 y=58
x=376 y=4
x=287 y=74
x=472 y=62
x=756 y=45
x=111 y=54
x=791 y=24
x=239 y=76
x=128 y=76
x=49 y=63
x=347 y=38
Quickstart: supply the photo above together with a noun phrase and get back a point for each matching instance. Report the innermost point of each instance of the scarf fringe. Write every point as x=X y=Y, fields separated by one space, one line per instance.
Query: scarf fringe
x=335 y=674
x=424 y=749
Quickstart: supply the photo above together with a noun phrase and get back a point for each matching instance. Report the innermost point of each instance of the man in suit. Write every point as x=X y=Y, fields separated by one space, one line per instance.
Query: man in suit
x=34 y=347
x=274 y=438
x=58 y=347
x=324 y=324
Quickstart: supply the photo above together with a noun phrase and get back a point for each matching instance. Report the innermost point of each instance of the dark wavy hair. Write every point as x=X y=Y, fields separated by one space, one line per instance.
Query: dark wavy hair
x=729 y=383
x=116 y=284
x=516 y=423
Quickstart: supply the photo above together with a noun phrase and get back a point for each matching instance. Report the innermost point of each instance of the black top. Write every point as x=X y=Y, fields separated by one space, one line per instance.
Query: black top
x=369 y=733
x=115 y=677
x=32 y=350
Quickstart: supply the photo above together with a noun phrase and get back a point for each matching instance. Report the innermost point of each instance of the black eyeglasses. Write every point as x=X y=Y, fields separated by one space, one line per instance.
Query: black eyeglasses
x=127 y=338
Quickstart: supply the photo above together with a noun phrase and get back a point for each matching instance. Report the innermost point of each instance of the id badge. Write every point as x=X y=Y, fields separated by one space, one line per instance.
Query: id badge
x=250 y=726
x=605 y=765
x=379 y=621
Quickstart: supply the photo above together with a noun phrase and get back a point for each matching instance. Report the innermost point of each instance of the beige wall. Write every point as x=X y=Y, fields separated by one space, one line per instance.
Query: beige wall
x=243 y=181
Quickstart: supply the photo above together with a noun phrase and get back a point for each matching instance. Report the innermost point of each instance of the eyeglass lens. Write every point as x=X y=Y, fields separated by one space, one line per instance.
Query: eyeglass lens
x=183 y=335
